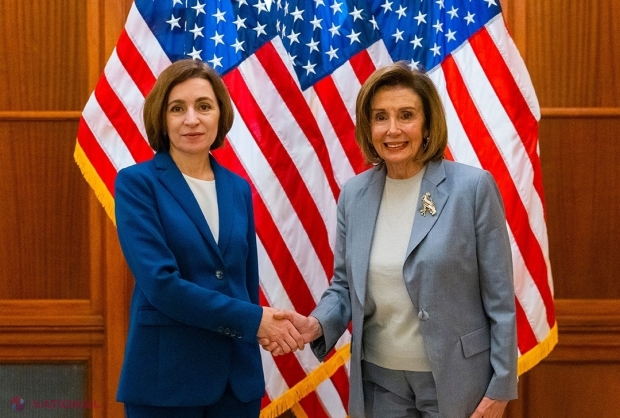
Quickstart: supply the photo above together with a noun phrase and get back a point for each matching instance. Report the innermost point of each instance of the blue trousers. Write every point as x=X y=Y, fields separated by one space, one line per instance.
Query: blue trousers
x=226 y=407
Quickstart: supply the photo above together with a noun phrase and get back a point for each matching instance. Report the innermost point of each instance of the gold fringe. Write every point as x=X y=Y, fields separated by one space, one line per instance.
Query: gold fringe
x=298 y=411
x=290 y=398
x=536 y=354
x=92 y=178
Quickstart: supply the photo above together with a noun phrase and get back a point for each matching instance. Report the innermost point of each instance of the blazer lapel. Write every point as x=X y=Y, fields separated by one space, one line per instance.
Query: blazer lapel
x=225 y=197
x=172 y=179
x=364 y=216
x=422 y=224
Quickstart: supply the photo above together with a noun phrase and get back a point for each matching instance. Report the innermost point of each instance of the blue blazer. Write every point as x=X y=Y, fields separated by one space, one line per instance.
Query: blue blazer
x=194 y=313
x=458 y=273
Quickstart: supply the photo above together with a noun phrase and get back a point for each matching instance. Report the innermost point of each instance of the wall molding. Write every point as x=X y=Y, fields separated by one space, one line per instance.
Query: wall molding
x=34 y=115
x=580 y=112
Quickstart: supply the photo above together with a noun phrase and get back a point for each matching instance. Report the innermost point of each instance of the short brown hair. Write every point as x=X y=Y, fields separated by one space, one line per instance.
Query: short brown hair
x=399 y=74
x=156 y=102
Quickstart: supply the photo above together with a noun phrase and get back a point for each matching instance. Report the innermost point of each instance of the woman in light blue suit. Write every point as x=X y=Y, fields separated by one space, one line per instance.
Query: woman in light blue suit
x=186 y=228
x=423 y=268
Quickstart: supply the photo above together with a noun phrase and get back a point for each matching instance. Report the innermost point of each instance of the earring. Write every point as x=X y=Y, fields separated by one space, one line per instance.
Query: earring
x=425 y=143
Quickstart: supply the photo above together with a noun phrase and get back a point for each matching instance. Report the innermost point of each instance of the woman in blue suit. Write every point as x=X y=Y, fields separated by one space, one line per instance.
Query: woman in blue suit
x=186 y=228
x=423 y=268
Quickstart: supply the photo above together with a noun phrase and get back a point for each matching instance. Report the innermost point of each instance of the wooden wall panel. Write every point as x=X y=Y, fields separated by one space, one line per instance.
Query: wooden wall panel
x=44 y=249
x=570 y=49
x=581 y=160
x=572 y=52
x=43 y=52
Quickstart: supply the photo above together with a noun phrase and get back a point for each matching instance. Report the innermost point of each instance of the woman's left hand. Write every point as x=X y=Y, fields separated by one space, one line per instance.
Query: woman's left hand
x=490 y=408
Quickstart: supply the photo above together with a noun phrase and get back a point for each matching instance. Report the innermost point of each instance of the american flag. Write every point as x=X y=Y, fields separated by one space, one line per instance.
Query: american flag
x=293 y=69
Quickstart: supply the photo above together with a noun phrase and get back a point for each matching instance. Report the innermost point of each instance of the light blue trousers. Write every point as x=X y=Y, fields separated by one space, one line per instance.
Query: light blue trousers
x=398 y=393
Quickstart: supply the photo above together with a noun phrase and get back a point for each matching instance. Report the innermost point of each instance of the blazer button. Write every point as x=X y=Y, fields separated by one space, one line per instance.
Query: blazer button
x=220 y=329
x=233 y=333
x=227 y=331
x=219 y=274
x=239 y=334
x=422 y=315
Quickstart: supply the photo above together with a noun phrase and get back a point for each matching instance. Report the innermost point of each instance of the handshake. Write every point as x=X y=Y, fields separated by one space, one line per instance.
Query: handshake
x=282 y=332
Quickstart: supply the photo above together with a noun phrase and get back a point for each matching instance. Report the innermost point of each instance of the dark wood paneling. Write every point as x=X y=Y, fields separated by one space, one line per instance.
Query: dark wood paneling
x=580 y=160
x=43 y=52
x=44 y=247
x=572 y=52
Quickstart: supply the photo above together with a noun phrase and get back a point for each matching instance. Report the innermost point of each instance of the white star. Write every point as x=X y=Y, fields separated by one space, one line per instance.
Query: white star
x=200 y=8
x=219 y=16
x=357 y=14
x=173 y=22
x=319 y=3
x=261 y=7
x=453 y=13
x=292 y=58
x=436 y=49
x=417 y=42
x=450 y=35
x=260 y=29
x=354 y=37
x=334 y=30
x=491 y=2
x=217 y=38
x=438 y=26
x=413 y=65
x=293 y=37
x=242 y=2
x=316 y=23
x=176 y=2
x=297 y=13
x=197 y=31
x=195 y=54
x=216 y=61
x=440 y=3
x=398 y=35
x=387 y=6
x=313 y=46
x=401 y=11
x=309 y=68
x=238 y=45
x=420 y=18
x=336 y=7
x=332 y=52
x=240 y=23
x=375 y=25
x=469 y=18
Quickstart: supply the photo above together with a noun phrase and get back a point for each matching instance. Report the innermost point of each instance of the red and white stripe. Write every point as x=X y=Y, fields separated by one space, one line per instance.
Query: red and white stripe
x=493 y=116
x=297 y=149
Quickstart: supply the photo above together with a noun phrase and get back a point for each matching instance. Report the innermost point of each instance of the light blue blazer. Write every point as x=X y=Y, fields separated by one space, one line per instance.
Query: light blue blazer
x=194 y=313
x=458 y=272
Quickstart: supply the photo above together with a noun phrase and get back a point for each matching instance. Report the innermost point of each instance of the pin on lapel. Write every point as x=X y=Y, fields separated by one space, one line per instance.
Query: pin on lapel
x=428 y=205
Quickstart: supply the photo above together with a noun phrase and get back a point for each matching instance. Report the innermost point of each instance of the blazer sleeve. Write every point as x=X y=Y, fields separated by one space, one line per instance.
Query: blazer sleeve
x=497 y=287
x=334 y=309
x=252 y=260
x=154 y=267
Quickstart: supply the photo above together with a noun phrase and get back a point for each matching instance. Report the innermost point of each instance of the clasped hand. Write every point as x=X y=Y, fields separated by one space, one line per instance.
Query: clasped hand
x=282 y=332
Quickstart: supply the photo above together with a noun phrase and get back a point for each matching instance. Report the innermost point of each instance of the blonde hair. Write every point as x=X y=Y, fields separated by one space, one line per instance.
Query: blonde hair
x=399 y=74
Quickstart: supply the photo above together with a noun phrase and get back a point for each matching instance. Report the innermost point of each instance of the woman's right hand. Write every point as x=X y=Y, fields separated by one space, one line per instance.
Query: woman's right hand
x=309 y=328
x=276 y=328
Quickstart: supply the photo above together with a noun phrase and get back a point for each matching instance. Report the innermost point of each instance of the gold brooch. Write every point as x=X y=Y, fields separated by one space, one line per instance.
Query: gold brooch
x=427 y=204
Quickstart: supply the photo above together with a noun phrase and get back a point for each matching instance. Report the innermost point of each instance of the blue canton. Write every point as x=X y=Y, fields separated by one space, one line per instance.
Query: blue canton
x=318 y=35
